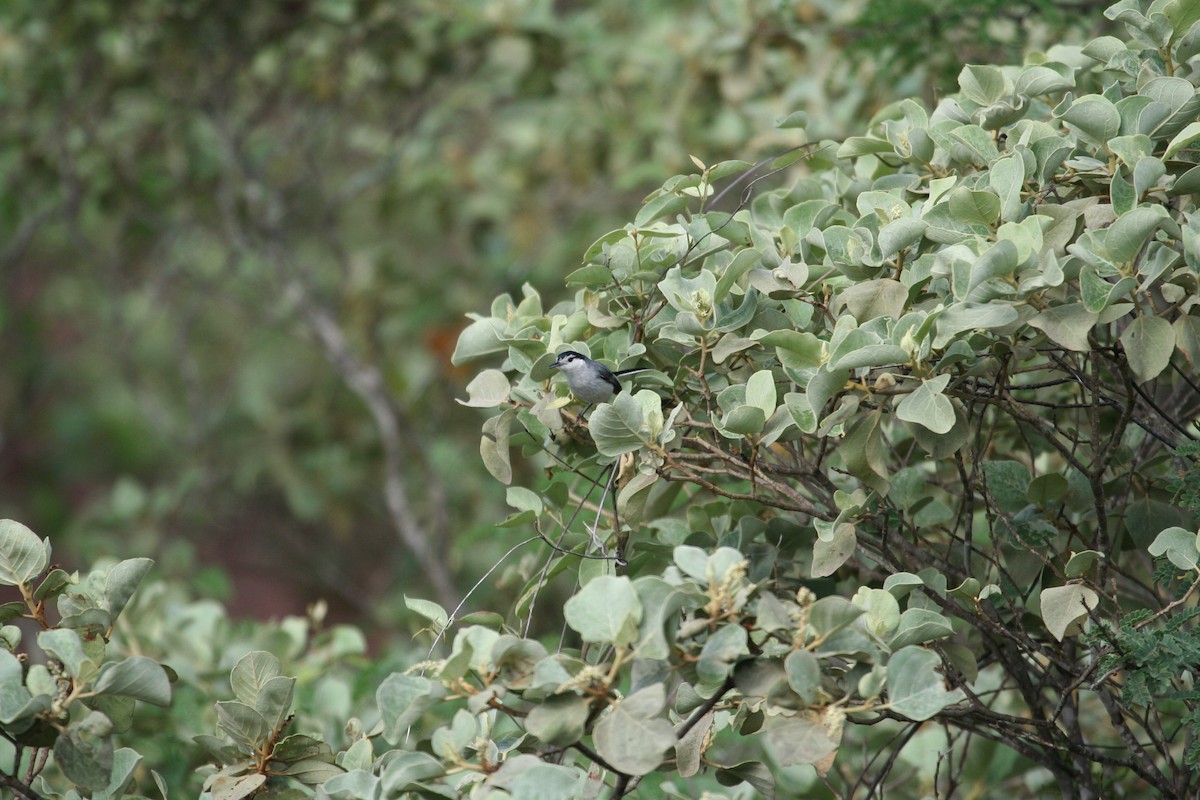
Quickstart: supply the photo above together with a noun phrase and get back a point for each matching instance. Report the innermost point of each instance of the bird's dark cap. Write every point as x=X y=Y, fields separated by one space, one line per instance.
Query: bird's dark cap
x=563 y=355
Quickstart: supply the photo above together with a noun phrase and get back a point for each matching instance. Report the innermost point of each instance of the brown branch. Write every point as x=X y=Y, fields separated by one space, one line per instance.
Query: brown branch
x=366 y=381
x=18 y=788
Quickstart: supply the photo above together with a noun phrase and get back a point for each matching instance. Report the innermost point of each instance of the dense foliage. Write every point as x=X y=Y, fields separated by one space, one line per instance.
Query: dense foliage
x=226 y=233
x=907 y=502
x=915 y=424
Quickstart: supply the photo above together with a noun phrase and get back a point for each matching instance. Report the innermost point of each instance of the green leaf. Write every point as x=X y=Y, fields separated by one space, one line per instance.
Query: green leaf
x=480 y=339
x=1125 y=237
x=633 y=737
x=55 y=582
x=760 y=392
x=724 y=169
x=898 y=235
x=862 y=451
x=1095 y=117
x=523 y=499
x=593 y=275
x=1037 y=80
x=12 y=610
x=1148 y=343
x=606 y=610
x=881 y=611
x=981 y=84
x=251 y=673
x=356 y=784
x=65 y=645
x=1081 y=563
x=402 y=699
x=979 y=146
x=125 y=763
x=1183 y=139
x=664 y=205
x=1045 y=489
x=1064 y=607
x=23 y=555
x=831 y=614
x=408 y=767
x=1178 y=545
x=918 y=625
x=1067 y=325
x=804 y=675
x=742 y=263
x=997 y=261
x=274 y=700
x=744 y=420
x=721 y=652
x=1006 y=177
x=1098 y=294
x=707 y=569
x=660 y=602
x=14 y=697
x=872 y=355
x=243 y=724
x=311 y=771
x=882 y=297
x=138 y=677
x=915 y=689
x=962 y=317
x=928 y=407
x=1008 y=482
x=629 y=422
x=796 y=119
x=541 y=781
x=235 y=787
x=1131 y=149
x=429 y=610
x=597 y=248
x=1182 y=14
x=122 y=581
x=472 y=649
x=559 y=720
x=901 y=584
x=974 y=207
x=829 y=555
x=856 y=146
x=1121 y=192
x=689 y=749
x=801 y=739
x=488 y=389
x=85 y=752
x=493 y=446
x=299 y=746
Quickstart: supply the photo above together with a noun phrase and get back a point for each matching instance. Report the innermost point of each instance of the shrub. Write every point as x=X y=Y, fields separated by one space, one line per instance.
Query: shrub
x=912 y=428
x=907 y=499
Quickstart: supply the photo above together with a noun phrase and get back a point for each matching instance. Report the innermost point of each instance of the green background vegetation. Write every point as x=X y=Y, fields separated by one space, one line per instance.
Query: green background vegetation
x=238 y=244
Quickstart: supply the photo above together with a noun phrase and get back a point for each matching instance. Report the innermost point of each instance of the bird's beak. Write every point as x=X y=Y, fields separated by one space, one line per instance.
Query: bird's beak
x=555 y=365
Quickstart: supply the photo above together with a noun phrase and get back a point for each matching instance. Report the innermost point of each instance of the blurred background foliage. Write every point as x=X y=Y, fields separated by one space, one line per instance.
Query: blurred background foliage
x=237 y=241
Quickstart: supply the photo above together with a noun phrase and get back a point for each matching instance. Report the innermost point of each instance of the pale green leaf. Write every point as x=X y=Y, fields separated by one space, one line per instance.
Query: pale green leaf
x=633 y=736
x=606 y=610
x=23 y=554
x=1064 y=607
x=1178 y=545
x=1148 y=343
x=914 y=687
x=488 y=389
x=928 y=406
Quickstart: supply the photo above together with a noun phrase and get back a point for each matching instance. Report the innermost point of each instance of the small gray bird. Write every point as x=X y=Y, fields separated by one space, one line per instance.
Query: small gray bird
x=590 y=381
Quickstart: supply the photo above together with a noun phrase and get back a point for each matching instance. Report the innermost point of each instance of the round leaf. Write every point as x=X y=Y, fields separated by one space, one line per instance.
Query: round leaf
x=23 y=555
x=1063 y=607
